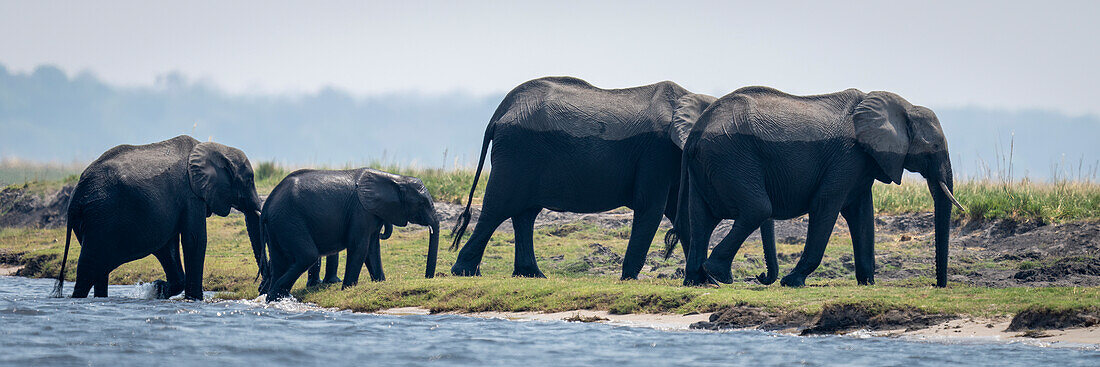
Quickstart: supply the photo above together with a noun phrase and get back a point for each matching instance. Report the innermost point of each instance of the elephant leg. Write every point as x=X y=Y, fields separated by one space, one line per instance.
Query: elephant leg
x=817 y=237
x=374 y=259
x=702 y=224
x=717 y=266
x=194 y=251
x=101 y=284
x=313 y=275
x=87 y=272
x=861 y=223
x=643 y=227
x=357 y=255
x=278 y=267
x=469 y=258
x=332 y=265
x=523 y=225
x=169 y=259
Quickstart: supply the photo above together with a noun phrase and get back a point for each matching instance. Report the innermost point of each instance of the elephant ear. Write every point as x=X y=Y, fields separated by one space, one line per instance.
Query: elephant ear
x=882 y=130
x=209 y=176
x=381 y=195
x=687 y=110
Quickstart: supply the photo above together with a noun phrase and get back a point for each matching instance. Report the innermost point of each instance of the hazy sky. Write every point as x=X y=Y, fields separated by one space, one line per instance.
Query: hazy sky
x=996 y=54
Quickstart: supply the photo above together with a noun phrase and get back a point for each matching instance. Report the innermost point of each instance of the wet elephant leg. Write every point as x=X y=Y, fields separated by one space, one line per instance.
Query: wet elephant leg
x=332 y=266
x=313 y=275
x=101 y=284
x=523 y=225
x=169 y=258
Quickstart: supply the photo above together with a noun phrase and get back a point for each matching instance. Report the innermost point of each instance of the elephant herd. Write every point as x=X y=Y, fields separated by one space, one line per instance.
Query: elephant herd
x=559 y=143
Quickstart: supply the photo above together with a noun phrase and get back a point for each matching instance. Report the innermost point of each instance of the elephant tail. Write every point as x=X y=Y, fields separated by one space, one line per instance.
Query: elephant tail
x=387 y=230
x=678 y=223
x=464 y=218
x=767 y=236
x=264 y=269
x=64 y=259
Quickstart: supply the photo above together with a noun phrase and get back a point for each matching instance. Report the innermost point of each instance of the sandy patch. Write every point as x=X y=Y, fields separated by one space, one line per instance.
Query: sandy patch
x=977 y=329
x=9 y=270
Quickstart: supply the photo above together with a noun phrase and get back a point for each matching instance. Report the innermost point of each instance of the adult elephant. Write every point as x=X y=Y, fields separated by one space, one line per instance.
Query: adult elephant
x=759 y=154
x=137 y=200
x=321 y=212
x=562 y=144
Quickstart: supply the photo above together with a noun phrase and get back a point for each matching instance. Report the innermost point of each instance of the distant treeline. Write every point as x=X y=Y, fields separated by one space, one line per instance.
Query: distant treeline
x=47 y=115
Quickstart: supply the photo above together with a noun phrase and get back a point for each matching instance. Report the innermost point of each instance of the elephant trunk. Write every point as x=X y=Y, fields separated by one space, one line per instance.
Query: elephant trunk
x=944 y=199
x=255 y=235
x=767 y=236
x=433 y=249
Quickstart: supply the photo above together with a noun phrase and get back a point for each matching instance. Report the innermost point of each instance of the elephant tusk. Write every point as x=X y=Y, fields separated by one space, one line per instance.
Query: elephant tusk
x=950 y=196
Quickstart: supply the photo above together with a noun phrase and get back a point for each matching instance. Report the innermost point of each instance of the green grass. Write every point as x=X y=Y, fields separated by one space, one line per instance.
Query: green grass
x=230 y=271
x=986 y=199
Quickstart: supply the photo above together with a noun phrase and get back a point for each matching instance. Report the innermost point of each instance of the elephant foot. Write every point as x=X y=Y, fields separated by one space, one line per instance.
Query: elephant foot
x=331 y=280
x=528 y=273
x=793 y=280
x=275 y=296
x=465 y=271
x=193 y=297
x=629 y=277
x=763 y=279
x=699 y=279
x=164 y=289
x=717 y=273
x=867 y=281
x=312 y=283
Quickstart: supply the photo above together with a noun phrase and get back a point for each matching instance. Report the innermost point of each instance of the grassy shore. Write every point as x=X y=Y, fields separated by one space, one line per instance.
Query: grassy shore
x=562 y=254
x=230 y=271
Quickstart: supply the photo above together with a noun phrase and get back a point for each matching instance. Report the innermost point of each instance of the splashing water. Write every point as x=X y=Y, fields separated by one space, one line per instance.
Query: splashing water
x=131 y=329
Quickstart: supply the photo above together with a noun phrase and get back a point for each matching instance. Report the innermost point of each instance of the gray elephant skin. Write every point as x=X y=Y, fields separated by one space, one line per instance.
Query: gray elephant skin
x=314 y=213
x=137 y=200
x=332 y=264
x=758 y=154
x=562 y=144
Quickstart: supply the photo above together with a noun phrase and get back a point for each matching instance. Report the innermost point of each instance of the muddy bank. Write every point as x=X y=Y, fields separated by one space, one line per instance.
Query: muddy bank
x=20 y=208
x=833 y=319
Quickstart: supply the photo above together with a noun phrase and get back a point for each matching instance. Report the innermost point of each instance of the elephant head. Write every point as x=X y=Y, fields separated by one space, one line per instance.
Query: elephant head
x=900 y=136
x=222 y=177
x=687 y=110
x=399 y=200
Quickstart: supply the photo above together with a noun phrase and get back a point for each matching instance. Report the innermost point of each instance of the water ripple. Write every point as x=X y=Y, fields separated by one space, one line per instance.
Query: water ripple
x=136 y=330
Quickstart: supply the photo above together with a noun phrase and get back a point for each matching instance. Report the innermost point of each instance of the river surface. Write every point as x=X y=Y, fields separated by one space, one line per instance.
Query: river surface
x=127 y=329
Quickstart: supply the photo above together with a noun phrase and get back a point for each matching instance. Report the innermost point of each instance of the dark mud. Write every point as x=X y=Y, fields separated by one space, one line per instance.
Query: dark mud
x=1043 y=318
x=20 y=208
x=833 y=319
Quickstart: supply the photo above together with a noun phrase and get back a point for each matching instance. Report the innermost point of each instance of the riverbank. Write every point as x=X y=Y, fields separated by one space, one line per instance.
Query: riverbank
x=999 y=268
x=963 y=329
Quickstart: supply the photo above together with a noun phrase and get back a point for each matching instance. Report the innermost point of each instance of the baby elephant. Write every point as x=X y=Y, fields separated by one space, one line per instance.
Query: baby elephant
x=314 y=213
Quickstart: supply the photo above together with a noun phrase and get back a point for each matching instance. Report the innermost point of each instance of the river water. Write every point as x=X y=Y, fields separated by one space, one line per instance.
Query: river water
x=128 y=329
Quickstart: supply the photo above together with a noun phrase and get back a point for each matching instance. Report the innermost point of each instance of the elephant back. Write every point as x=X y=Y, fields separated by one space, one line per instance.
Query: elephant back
x=575 y=108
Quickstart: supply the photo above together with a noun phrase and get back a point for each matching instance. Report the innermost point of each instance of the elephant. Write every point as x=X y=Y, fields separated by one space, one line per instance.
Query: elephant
x=332 y=264
x=137 y=200
x=758 y=154
x=560 y=143
x=313 y=213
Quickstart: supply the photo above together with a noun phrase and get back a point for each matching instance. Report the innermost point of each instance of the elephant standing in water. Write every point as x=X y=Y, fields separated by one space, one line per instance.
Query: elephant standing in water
x=316 y=212
x=146 y=199
x=562 y=144
x=759 y=154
